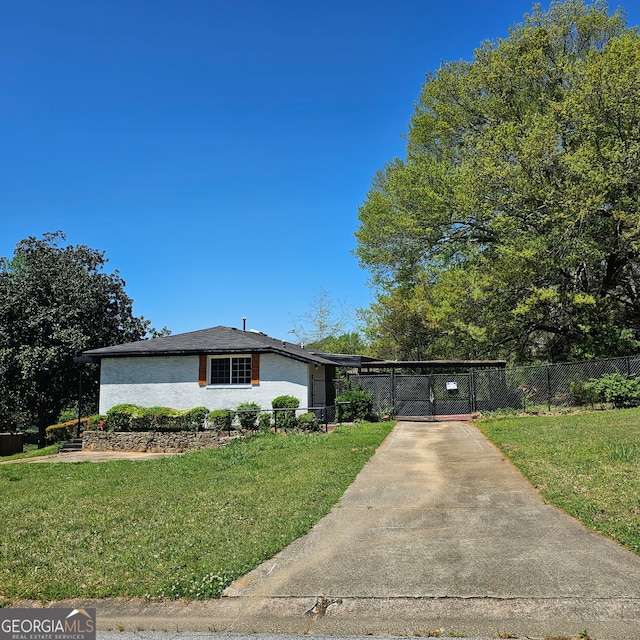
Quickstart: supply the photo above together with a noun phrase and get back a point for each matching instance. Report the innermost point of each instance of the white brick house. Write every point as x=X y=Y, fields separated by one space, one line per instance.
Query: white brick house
x=216 y=368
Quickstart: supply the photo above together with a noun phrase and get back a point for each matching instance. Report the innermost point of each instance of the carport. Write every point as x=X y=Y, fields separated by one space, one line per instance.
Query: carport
x=422 y=389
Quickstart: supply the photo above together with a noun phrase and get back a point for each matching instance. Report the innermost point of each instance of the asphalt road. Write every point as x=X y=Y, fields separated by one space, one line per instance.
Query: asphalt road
x=200 y=635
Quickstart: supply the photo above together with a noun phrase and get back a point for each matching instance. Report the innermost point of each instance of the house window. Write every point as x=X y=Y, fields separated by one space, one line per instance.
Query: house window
x=234 y=370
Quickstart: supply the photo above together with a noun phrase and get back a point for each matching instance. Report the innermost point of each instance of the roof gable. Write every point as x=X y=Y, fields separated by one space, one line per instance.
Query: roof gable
x=216 y=340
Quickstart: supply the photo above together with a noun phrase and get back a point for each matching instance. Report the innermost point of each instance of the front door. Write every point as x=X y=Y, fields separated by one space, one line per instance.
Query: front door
x=318 y=388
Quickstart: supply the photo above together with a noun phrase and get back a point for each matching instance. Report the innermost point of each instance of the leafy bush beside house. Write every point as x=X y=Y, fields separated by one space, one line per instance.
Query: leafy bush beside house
x=359 y=407
x=119 y=417
x=194 y=419
x=62 y=432
x=309 y=422
x=67 y=415
x=248 y=413
x=154 y=419
x=264 y=422
x=69 y=429
x=221 y=419
x=131 y=417
x=284 y=412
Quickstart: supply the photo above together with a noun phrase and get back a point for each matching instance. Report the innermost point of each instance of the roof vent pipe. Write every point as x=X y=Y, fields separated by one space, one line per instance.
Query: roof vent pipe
x=244 y=323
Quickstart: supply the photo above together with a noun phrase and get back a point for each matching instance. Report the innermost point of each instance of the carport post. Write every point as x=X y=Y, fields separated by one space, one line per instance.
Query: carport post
x=472 y=390
x=81 y=361
x=393 y=389
x=79 y=401
x=548 y=388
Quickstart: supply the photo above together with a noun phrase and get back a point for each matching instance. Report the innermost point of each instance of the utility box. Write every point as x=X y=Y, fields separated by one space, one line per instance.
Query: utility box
x=11 y=443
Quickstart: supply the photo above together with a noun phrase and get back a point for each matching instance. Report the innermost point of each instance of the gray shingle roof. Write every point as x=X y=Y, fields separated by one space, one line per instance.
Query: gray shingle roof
x=212 y=341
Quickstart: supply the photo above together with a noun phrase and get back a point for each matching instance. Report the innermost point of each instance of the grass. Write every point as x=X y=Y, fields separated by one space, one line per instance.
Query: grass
x=32 y=451
x=586 y=463
x=178 y=527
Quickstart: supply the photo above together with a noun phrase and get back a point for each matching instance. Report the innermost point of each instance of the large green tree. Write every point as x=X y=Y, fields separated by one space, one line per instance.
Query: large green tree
x=55 y=302
x=512 y=226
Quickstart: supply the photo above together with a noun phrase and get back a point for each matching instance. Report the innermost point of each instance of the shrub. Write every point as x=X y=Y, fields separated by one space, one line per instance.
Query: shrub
x=67 y=415
x=284 y=414
x=360 y=406
x=285 y=402
x=620 y=390
x=96 y=422
x=264 y=422
x=119 y=417
x=194 y=419
x=159 y=421
x=64 y=431
x=143 y=421
x=583 y=393
x=154 y=419
x=309 y=422
x=248 y=413
x=221 y=419
x=130 y=417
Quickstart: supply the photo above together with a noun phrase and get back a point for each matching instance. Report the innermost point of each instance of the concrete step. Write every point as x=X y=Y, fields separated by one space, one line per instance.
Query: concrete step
x=72 y=445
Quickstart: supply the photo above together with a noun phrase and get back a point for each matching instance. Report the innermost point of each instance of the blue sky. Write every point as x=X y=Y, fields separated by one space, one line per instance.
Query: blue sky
x=218 y=150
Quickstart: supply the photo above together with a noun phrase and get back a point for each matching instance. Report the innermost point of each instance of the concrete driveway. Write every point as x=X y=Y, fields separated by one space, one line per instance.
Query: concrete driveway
x=440 y=531
x=437 y=534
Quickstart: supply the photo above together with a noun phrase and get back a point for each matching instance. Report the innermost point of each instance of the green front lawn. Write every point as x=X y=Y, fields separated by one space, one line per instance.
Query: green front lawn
x=183 y=526
x=585 y=463
x=32 y=451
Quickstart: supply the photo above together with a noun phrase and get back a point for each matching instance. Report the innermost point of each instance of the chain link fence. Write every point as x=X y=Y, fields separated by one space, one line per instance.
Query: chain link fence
x=545 y=387
x=532 y=388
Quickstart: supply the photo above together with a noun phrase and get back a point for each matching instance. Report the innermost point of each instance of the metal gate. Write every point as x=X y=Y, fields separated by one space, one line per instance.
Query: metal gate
x=419 y=395
x=413 y=395
x=452 y=394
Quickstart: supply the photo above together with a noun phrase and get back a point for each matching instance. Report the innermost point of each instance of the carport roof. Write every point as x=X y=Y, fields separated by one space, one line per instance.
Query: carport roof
x=434 y=364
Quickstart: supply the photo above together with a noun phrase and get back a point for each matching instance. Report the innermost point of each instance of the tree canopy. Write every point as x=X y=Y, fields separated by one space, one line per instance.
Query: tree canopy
x=55 y=302
x=512 y=228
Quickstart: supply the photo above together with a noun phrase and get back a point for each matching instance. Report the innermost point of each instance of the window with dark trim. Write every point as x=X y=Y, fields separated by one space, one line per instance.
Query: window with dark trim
x=232 y=370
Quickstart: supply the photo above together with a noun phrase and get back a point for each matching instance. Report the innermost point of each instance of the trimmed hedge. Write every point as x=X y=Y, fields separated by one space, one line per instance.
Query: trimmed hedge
x=284 y=414
x=247 y=416
x=61 y=432
x=360 y=406
x=195 y=419
x=119 y=417
x=130 y=417
x=68 y=430
x=265 y=422
x=309 y=422
x=221 y=419
x=248 y=413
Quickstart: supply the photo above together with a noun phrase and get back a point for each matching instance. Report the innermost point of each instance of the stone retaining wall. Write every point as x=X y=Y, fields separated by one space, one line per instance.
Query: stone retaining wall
x=152 y=441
